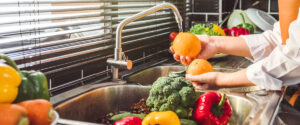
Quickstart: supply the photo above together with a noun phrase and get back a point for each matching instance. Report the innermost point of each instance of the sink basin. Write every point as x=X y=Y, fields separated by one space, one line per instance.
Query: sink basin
x=91 y=105
x=250 y=105
x=148 y=76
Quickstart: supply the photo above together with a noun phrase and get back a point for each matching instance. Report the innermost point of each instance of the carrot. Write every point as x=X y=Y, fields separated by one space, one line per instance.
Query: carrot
x=40 y=111
x=12 y=114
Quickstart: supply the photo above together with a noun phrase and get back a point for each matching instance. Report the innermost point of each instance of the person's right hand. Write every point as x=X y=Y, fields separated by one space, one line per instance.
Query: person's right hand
x=209 y=48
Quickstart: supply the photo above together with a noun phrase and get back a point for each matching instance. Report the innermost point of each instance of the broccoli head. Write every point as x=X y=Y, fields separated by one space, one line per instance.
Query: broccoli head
x=172 y=93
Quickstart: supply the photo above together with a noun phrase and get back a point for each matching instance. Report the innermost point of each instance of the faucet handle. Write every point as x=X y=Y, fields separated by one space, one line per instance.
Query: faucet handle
x=124 y=64
x=124 y=56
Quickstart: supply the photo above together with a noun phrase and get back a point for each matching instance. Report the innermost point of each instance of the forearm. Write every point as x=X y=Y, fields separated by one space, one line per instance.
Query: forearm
x=232 y=45
x=235 y=79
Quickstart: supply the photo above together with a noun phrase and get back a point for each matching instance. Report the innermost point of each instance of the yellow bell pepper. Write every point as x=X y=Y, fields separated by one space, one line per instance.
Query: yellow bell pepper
x=161 y=118
x=10 y=79
x=219 y=30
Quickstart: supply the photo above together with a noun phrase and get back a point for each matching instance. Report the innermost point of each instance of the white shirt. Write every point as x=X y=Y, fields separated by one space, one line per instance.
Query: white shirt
x=275 y=65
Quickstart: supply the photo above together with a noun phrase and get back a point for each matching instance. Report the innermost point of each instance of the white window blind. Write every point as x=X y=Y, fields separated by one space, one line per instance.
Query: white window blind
x=70 y=40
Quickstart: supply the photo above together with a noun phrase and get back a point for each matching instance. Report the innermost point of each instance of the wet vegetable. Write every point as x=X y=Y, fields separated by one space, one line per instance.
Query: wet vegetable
x=172 y=94
x=246 y=25
x=187 y=122
x=40 y=111
x=12 y=114
x=161 y=118
x=131 y=120
x=234 y=31
x=212 y=109
x=172 y=36
x=123 y=115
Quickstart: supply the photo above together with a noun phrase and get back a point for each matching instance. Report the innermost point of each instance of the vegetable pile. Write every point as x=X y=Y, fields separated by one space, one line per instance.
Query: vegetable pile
x=215 y=30
x=24 y=96
x=241 y=29
x=172 y=94
x=245 y=25
x=202 y=29
x=173 y=101
x=33 y=84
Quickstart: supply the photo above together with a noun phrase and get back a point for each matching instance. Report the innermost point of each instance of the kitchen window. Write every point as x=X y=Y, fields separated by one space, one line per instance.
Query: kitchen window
x=70 y=40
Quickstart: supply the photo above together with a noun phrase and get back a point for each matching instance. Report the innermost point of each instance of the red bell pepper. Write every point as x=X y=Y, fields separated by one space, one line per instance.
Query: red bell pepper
x=212 y=109
x=234 y=31
x=130 y=120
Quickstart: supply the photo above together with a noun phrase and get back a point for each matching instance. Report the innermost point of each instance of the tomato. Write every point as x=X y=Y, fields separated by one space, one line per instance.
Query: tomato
x=172 y=36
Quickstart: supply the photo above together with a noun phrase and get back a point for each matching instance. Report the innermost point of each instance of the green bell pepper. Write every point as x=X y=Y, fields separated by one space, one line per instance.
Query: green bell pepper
x=34 y=84
x=246 y=25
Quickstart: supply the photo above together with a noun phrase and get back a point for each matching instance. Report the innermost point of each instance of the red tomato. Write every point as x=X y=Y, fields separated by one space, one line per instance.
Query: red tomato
x=172 y=36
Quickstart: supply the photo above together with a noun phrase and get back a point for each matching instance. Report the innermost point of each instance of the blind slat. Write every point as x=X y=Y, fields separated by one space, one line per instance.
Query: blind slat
x=20 y=39
x=17 y=10
x=26 y=28
x=42 y=53
x=67 y=1
x=9 y=20
x=52 y=43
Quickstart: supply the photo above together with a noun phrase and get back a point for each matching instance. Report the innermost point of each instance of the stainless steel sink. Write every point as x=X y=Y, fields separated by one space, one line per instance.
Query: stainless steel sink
x=91 y=105
x=250 y=105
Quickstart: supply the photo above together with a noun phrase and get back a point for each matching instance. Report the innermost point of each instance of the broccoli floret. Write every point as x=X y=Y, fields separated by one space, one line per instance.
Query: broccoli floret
x=182 y=112
x=175 y=94
x=150 y=101
x=167 y=90
x=159 y=101
x=154 y=109
x=159 y=84
x=183 y=81
x=176 y=85
x=166 y=107
x=174 y=98
x=186 y=98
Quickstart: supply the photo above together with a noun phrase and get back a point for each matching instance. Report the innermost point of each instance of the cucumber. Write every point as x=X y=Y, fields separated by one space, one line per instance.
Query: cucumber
x=187 y=122
x=123 y=115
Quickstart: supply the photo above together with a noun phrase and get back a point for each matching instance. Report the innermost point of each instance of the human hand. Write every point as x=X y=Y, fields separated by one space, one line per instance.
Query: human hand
x=204 y=81
x=209 y=48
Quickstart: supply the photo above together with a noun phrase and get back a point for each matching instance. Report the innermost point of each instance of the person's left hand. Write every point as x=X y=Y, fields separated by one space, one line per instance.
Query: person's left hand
x=205 y=81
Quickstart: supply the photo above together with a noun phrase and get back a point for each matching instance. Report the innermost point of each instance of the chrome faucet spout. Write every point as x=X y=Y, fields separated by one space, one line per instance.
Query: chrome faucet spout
x=118 y=47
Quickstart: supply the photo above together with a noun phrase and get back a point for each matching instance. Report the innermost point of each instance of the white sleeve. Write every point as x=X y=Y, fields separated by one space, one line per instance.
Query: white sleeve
x=261 y=45
x=282 y=66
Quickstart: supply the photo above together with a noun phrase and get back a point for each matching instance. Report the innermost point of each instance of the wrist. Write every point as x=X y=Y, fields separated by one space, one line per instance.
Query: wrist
x=219 y=79
x=217 y=43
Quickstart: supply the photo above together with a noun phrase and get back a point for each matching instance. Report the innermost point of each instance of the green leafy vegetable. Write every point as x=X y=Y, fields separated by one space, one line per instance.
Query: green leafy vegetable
x=198 y=29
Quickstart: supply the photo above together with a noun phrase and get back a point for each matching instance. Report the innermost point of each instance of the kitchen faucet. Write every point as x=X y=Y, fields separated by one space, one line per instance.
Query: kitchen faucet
x=118 y=62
